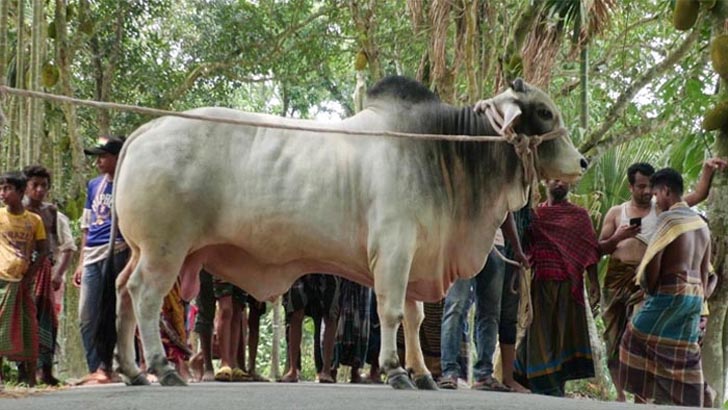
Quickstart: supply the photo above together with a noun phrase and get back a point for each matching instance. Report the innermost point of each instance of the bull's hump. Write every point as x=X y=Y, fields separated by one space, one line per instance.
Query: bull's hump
x=401 y=89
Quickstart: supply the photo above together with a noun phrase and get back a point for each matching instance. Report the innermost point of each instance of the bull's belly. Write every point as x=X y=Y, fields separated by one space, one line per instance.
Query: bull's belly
x=265 y=280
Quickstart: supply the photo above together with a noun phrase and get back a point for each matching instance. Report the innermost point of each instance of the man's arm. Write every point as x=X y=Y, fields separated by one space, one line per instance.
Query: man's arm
x=65 y=250
x=79 y=268
x=510 y=232
x=702 y=189
x=60 y=268
x=652 y=272
x=611 y=234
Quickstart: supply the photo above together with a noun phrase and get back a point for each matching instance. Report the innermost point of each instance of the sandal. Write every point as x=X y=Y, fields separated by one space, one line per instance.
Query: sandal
x=490 y=383
x=225 y=374
x=448 y=383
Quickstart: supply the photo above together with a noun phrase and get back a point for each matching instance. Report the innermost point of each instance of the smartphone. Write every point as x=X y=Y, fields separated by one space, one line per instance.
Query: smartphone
x=635 y=222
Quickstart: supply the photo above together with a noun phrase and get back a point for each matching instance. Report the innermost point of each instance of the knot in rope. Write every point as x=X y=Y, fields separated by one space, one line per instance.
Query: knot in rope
x=526 y=147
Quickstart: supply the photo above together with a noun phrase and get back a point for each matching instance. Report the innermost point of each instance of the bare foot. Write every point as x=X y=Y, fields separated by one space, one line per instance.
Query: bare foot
x=290 y=377
x=97 y=377
x=197 y=367
x=325 y=378
x=208 y=376
x=516 y=387
x=183 y=370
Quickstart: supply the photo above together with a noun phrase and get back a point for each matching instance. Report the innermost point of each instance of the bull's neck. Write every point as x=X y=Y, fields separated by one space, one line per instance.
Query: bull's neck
x=489 y=171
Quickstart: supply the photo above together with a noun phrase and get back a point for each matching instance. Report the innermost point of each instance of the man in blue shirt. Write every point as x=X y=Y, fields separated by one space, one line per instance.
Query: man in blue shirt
x=90 y=274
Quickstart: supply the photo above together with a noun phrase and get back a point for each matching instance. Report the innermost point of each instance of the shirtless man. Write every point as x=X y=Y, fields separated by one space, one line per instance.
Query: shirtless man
x=625 y=233
x=660 y=360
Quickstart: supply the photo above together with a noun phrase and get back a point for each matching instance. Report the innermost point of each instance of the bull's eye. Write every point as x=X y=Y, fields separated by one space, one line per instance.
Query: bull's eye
x=544 y=114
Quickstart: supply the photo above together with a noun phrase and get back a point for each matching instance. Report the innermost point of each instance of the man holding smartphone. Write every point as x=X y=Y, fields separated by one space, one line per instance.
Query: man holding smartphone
x=625 y=233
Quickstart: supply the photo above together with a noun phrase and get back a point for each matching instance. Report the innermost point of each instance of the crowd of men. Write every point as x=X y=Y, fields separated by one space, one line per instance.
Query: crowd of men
x=653 y=296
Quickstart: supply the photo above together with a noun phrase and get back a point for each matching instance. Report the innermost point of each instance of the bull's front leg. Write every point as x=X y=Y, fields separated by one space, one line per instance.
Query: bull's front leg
x=414 y=314
x=391 y=273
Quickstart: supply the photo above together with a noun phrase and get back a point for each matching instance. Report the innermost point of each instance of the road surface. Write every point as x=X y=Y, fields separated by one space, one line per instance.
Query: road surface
x=246 y=396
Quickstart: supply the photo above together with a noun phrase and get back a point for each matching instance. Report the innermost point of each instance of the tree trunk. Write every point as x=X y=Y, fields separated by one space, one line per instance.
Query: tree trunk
x=63 y=61
x=4 y=101
x=35 y=113
x=362 y=11
x=584 y=76
x=471 y=46
x=21 y=119
x=715 y=345
x=515 y=44
x=441 y=73
x=4 y=10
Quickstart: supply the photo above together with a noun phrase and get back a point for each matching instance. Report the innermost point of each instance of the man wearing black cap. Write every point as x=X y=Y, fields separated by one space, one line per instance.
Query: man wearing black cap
x=90 y=274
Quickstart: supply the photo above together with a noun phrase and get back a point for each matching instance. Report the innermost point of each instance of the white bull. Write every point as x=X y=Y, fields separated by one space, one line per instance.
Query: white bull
x=262 y=206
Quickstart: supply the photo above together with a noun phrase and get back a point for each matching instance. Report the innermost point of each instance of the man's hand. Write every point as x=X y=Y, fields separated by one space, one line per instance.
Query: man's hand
x=627 y=231
x=77 y=276
x=713 y=164
x=522 y=259
x=57 y=281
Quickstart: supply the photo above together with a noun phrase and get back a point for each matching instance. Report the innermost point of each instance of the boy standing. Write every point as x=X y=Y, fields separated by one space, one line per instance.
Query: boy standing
x=21 y=234
x=52 y=268
x=95 y=312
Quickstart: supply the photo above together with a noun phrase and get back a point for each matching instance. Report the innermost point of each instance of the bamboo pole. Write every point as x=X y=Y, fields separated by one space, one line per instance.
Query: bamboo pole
x=20 y=126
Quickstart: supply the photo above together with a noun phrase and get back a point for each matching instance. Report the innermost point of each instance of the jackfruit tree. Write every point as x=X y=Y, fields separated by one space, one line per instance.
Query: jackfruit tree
x=715 y=349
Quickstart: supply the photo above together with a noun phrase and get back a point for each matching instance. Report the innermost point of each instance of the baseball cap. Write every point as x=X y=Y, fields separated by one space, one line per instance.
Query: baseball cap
x=105 y=145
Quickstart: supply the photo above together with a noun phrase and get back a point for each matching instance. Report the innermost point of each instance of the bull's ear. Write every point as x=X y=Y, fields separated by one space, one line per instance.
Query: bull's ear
x=518 y=85
x=510 y=111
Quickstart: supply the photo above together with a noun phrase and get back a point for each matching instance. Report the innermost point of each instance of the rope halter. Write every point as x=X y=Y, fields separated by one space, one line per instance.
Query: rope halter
x=526 y=147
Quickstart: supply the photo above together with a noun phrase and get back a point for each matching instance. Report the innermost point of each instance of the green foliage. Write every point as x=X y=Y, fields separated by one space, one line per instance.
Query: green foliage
x=295 y=59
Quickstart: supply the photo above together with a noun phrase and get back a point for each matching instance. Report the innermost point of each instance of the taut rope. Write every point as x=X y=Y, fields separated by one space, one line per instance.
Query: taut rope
x=525 y=146
x=159 y=113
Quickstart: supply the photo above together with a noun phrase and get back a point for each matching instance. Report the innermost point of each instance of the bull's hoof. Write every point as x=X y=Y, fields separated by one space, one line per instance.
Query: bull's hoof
x=399 y=380
x=138 y=380
x=171 y=378
x=426 y=382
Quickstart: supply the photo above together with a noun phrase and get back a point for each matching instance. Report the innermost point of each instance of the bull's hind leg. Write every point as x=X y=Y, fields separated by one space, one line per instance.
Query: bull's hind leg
x=391 y=272
x=414 y=314
x=148 y=285
x=125 y=326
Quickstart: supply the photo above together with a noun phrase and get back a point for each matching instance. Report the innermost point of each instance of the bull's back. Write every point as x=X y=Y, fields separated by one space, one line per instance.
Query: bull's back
x=278 y=194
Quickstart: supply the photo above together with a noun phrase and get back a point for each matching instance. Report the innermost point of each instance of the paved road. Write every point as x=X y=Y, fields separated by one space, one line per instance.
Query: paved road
x=269 y=396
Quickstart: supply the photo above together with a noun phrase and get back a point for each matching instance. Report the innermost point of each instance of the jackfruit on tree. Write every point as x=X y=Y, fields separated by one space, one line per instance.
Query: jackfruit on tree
x=719 y=55
x=717 y=117
x=49 y=75
x=685 y=14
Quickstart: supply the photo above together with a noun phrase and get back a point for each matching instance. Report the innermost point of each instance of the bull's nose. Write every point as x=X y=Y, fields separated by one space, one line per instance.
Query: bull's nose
x=584 y=164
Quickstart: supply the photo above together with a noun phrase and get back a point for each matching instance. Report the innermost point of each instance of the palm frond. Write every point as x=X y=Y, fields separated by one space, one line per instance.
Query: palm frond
x=605 y=184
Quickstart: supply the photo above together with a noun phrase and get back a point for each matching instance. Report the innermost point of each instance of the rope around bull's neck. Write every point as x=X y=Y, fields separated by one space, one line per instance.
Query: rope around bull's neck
x=525 y=147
